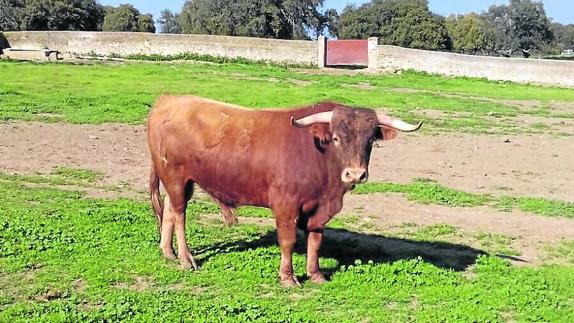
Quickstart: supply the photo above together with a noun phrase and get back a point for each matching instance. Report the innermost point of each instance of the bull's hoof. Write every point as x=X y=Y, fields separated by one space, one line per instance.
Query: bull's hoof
x=186 y=265
x=187 y=262
x=230 y=220
x=290 y=282
x=317 y=278
x=168 y=254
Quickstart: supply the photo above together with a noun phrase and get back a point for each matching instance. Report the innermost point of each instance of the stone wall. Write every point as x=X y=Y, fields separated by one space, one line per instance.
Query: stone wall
x=106 y=43
x=550 y=72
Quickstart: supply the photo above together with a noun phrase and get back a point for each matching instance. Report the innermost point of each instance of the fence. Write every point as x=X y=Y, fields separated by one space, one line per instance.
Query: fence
x=379 y=57
x=118 y=43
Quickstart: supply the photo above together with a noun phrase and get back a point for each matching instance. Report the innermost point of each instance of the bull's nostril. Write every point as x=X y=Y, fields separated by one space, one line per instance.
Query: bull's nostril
x=354 y=175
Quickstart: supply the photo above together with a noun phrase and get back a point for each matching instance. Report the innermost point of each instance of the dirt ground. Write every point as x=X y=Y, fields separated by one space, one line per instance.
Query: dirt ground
x=521 y=165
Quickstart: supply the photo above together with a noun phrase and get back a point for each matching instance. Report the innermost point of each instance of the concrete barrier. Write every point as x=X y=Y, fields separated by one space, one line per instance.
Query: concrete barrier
x=123 y=44
x=31 y=54
x=549 y=72
x=381 y=58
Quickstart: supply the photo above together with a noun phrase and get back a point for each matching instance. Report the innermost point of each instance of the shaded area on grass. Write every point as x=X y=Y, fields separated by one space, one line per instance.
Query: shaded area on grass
x=348 y=248
x=67 y=258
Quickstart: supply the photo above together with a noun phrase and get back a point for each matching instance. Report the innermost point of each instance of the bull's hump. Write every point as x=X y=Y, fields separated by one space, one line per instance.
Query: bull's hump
x=207 y=101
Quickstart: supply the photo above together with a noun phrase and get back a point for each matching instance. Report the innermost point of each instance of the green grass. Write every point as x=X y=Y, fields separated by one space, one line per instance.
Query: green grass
x=60 y=175
x=123 y=93
x=559 y=251
x=496 y=243
x=77 y=174
x=209 y=59
x=429 y=192
x=426 y=192
x=64 y=257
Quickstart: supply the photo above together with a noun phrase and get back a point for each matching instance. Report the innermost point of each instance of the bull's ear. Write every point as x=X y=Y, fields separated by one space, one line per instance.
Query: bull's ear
x=386 y=133
x=321 y=133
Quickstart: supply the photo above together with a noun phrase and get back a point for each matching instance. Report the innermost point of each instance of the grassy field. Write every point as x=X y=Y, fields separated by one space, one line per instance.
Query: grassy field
x=68 y=257
x=108 y=268
x=428 y=192
x=123 y=93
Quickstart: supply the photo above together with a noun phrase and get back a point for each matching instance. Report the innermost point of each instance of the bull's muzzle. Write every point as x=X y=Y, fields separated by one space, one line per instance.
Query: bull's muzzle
x=354 y=175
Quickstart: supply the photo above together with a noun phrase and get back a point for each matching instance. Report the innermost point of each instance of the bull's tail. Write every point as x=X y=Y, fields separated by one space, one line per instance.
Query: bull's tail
x=155 y=197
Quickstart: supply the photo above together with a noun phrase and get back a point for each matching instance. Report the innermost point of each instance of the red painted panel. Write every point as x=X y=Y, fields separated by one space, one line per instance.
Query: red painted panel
x=347 y=52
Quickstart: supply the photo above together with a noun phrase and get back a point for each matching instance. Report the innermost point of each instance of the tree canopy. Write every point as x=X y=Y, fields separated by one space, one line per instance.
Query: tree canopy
x=564 y=36
x=470 y=33
x=522 y=24
x=127 y=18
x=407 y=23
x=169 y=22
x=86 y=15
x=285 y=19
x=50 y=15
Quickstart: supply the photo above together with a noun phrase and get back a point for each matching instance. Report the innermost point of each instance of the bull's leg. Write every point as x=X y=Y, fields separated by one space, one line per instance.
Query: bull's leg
x=166 y=242
x=178 y=202
x=228 y=215
x=313 y=244
x=286 y=235
x=314 y=232
x=185 y=257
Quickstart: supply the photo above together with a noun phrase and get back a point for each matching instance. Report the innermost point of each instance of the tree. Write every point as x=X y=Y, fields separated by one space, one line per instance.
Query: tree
x=407 y=23
x=285 y=19
x=357 y=22
x=10 y=14
x=522 y=24
x=50 y=15
x=122 y=18
x=127 y=18
x=169 y=22
x=470 y=33
x=564 y=36
x=146 y=24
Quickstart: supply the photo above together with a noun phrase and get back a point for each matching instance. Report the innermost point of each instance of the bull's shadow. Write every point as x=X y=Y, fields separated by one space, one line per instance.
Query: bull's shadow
x=346 y=247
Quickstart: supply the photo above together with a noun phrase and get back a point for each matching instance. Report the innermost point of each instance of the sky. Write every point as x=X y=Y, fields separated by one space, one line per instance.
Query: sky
x=561 y=11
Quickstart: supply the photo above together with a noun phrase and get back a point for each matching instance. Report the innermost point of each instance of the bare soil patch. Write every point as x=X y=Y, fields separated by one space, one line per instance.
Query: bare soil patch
x=117 y=151
x=530 y=165
x=360 y=86
x=522 y=165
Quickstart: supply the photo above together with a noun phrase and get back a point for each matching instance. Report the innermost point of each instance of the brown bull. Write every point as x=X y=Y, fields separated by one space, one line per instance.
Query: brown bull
x=298 y=162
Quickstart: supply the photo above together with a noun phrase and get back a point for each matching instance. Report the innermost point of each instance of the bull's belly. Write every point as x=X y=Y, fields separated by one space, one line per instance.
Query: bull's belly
x=234 y=193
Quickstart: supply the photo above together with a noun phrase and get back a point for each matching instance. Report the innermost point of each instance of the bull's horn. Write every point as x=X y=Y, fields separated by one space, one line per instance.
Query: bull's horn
x=321 y=117
x=385 y=120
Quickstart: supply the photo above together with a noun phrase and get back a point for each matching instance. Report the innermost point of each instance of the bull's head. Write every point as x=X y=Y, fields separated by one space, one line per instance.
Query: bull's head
x=350 y=133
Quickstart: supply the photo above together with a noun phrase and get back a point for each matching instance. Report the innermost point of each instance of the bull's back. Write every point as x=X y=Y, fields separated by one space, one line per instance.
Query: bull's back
x=231 y=152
